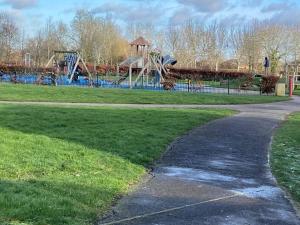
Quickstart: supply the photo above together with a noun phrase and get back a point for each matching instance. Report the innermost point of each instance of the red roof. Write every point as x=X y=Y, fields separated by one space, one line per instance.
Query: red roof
x=140 y=41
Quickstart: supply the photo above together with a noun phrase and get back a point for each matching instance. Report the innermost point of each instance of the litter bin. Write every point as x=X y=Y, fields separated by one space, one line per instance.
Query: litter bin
x=280 y=89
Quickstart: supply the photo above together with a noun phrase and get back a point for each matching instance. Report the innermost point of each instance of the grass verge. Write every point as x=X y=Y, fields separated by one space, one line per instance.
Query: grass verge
x=68 y=165
x=10 y=92
x=297 y=92
x=285 y=156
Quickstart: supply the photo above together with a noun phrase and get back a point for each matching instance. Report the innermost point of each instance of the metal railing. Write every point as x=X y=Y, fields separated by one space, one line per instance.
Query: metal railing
x=230 y=86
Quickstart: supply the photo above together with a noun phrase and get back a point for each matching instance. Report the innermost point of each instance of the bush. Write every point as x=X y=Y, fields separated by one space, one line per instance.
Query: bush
x=268 y=84
x=196 y=74
x=245 y=82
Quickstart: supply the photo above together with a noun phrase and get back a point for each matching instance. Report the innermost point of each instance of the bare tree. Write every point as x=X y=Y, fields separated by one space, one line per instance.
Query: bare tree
x=272 y=38
x=236 y=42
x=9 y=34
x=99 y=39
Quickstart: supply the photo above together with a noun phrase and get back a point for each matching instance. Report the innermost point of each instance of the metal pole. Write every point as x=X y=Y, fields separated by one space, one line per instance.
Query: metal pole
x=228 y=86
x=130 y=76
x=260 y=87
x=291 y=85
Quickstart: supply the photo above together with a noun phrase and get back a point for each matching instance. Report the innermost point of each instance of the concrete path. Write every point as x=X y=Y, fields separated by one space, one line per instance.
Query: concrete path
x=286 y=106
x=218 y=174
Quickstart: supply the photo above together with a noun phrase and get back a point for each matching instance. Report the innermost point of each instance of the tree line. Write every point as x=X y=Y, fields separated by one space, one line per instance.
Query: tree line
x=100 y=40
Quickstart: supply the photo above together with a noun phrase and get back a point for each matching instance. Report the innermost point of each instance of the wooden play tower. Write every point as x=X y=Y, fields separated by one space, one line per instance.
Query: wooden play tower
x=140 y=48
x=145 y=62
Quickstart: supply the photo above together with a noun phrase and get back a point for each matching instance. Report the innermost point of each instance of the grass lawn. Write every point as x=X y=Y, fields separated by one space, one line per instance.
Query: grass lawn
x=68 y=165
x=10 y=92
x=297 y=91
x=286 y=155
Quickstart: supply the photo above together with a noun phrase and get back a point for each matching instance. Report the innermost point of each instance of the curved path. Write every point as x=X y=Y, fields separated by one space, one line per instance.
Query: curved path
x=218 y=174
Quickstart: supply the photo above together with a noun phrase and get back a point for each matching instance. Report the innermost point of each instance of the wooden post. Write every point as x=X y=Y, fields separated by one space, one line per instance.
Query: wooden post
x=84 y=65
x=118 y=70
x=291 y=85
x=74 y=70
x=157 y=68
x=50 y=60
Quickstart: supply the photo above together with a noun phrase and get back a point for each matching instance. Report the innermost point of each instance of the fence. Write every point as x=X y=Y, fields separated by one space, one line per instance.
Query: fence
x=213 y=85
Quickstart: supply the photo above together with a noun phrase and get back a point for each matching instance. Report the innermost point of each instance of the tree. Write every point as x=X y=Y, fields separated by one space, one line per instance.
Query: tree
x=272 y=37
x=9 y=34
x=236 y=42
x=98 y=39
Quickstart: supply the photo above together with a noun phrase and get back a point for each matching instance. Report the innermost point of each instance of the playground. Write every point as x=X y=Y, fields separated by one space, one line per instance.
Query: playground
x=145 y=68
x=128 y=112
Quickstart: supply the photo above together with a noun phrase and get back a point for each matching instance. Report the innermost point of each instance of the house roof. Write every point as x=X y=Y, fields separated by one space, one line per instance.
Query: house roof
x=140 y=41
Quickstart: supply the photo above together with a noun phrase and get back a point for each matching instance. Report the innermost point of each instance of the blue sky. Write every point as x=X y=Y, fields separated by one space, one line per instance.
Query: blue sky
x=30 y=14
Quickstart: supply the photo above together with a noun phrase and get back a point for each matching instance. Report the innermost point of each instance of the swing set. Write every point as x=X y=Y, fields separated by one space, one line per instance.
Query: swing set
x=68 y=63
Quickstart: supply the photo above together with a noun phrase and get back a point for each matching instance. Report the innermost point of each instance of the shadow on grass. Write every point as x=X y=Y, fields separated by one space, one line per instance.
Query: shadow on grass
x=50 y=202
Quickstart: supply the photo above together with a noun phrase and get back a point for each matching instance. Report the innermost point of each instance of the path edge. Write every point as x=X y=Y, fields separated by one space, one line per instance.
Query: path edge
x=287 y=195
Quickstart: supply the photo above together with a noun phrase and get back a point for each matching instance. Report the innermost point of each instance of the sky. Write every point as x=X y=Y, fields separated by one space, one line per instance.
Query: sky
x=31 y=14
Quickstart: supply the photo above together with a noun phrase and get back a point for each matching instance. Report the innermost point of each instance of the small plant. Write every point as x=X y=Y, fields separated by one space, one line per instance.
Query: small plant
x=168 y=85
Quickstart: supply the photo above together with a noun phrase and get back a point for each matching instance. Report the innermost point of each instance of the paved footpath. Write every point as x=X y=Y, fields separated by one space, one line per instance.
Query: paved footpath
x=218 y=174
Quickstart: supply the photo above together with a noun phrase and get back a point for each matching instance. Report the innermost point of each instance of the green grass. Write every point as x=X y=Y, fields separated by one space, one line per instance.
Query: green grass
x=233 y=84
x=286 y=155
x=297 y=91
x=9 y=92
x=68 y=165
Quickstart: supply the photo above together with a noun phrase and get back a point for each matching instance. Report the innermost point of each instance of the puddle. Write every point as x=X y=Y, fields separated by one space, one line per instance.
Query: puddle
x=196 y=175
x=248 y=181
x=218 y=164
x=235 y=220
x=267 y=192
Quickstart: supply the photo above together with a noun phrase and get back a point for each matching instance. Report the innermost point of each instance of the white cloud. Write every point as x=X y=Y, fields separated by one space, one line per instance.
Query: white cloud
x=128 y=13
x=20 y=4
x=252 y=3
x=205 y=6
x=110 y=8
x=278 y=6
x=288 y=16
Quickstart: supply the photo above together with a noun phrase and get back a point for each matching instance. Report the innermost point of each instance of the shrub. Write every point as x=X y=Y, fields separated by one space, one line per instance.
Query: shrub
x=196 y=74
x=168 y=84
x=268 y=84
x=245 y=82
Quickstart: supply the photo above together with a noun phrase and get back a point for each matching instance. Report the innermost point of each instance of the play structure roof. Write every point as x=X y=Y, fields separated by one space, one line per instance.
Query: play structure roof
x=140 y=41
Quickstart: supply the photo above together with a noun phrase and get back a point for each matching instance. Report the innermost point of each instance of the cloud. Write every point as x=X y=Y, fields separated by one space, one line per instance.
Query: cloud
x=128 y=13
x=205 y=6
x=110 y=8
x=279 y=6
x=20 y=4
x=252 y=3
x=288 y=16
x=235 y=19
x=181 y=15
